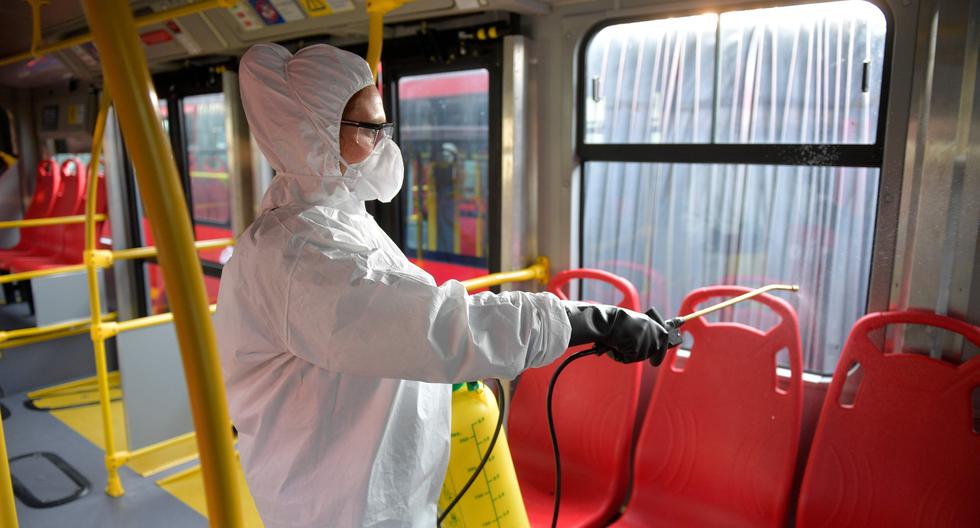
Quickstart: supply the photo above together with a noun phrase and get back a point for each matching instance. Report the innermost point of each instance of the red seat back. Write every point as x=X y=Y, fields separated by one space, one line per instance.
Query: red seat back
x=70 y=199
x=595 y=412
x=73 y=248
x=903 y=452
x=719 y=441
x=46 y=189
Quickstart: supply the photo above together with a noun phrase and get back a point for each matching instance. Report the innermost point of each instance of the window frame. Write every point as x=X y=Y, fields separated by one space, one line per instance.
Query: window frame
x=797 y=154
x=408 y=64
x=786 y=154
x=173 y=88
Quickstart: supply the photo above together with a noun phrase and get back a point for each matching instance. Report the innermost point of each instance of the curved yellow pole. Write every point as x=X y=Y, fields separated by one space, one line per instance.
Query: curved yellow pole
x=127 y=78
x=8 y=512
x=113 y=483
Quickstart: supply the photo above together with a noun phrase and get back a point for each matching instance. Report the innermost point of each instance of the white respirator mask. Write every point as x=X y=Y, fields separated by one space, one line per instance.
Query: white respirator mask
x=380 y=175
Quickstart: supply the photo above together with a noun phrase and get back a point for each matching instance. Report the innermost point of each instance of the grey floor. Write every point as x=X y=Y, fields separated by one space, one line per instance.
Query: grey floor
x=43 y=364
x=144 y=505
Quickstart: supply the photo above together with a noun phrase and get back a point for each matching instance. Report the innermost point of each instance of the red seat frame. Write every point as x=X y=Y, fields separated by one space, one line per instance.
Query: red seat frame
x=595 y=405
x=904 y=452
x=719 y=441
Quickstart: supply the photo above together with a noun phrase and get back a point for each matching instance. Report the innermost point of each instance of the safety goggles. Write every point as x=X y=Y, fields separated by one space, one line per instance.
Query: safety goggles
x=377 y=131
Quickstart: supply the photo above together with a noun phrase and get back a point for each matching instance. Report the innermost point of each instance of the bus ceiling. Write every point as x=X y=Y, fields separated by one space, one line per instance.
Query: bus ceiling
x=59 y=47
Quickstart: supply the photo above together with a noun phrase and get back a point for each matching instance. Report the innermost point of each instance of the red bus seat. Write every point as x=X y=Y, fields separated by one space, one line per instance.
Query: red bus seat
x=51 y=245
x=719 y=441
x=595 y=405
x=46 y=191
x=903 y=451
x=73 y=248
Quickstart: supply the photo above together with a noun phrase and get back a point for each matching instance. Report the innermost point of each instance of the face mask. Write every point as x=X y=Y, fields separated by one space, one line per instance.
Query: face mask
x=380 y=175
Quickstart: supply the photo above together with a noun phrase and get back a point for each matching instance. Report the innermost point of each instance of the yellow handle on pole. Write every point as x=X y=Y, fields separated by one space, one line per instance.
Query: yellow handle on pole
x=376 y=11
x=537 y=271
x=127 y=79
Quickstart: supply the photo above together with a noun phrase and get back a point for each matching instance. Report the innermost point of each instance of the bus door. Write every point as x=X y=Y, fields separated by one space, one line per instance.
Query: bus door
x=448 y=128
x=193 y=109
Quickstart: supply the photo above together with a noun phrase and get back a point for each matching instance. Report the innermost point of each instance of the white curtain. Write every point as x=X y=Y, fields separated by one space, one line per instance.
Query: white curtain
x=803 y=74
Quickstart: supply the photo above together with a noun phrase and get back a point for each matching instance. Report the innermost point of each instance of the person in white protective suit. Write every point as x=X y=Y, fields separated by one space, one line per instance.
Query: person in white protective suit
x=338 y=352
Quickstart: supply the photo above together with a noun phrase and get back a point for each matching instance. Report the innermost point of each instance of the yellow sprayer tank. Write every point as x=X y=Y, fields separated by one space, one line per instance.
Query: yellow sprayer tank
x=494 y=499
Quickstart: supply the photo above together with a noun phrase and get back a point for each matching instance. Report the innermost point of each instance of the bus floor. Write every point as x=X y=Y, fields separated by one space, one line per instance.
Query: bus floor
x=145 y=504
x=30 y=367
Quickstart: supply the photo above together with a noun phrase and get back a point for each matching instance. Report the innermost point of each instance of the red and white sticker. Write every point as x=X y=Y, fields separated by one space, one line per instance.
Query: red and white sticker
x=246 y=16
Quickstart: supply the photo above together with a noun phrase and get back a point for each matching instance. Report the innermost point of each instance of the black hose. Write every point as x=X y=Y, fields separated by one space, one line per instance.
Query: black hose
x=502 y=405
x=551 y=426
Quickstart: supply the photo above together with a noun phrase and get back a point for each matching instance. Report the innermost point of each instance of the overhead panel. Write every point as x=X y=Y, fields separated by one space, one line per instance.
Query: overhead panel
x=252 y=21
x=256 y=14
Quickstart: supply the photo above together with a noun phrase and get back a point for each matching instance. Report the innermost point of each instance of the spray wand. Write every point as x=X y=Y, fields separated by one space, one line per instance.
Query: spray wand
x=673 y=339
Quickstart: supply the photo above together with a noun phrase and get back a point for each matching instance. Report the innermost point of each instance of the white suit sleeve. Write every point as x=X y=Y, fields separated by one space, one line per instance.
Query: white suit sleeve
x=348 y=315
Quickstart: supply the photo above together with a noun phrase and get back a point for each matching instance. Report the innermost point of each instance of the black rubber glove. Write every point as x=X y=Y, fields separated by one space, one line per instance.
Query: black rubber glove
x=625 y=335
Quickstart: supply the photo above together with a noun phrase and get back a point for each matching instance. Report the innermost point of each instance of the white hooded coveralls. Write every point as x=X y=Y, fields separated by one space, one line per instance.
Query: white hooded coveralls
x=336 y=350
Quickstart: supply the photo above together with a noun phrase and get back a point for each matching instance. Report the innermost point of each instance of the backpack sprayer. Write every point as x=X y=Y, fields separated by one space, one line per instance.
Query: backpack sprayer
x=477 y=402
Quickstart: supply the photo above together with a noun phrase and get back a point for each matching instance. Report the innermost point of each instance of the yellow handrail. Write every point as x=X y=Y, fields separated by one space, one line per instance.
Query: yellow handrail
x=537 y=271
x=33 y=274
x=126 y=76
x=151 y=251
x=103 y=258
x=49 y=221
x=24 y=341
x=8 y=512
x=110 y=329
x=21 y=333
x=141 y=22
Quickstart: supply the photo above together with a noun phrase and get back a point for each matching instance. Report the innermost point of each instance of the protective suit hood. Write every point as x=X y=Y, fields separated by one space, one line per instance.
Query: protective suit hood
x=294 y=104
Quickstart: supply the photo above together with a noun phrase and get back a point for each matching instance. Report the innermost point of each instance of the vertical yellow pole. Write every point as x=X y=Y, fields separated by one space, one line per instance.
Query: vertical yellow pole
x=113 y=484
x=8 y=512
x=128 y=80
x=375 y=39
x=480 y=210
x=430 y=206
x=458 y=189
x=419 y=210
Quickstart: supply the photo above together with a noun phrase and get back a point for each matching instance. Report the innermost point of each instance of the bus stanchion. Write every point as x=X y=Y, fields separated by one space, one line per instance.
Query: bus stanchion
x=127 y=77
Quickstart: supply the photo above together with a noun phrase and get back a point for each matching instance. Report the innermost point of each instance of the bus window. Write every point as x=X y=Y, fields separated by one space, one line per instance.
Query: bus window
x=163 y=114
x=443 y=129
x=670 y=205
x=207 y=160
x=207 y=164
